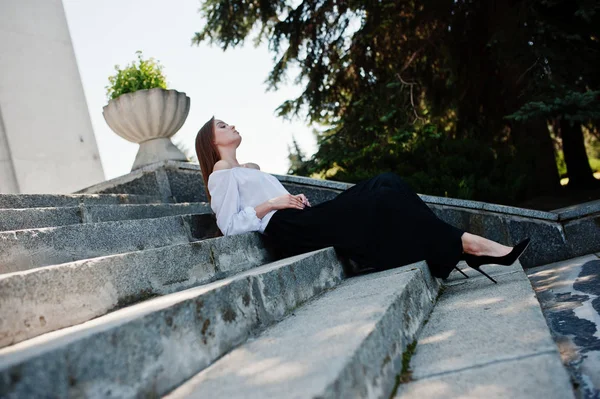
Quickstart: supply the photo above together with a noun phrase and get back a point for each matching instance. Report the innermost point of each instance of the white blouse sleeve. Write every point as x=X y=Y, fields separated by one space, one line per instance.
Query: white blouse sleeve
x=225 y=202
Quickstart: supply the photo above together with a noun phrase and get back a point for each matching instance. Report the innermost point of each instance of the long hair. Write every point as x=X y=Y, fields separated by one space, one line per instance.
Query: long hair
x=206 y=151
x=208 y=155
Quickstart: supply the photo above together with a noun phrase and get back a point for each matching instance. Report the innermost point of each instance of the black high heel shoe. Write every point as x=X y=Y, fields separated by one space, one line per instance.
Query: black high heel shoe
x=475 y=261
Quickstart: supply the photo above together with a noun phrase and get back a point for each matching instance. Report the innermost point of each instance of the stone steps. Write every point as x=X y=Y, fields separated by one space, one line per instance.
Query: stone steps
x=347 y=343
x=150 y=348
x=31 y=218
x=130 y=295
x=486 y=340
x=48 y=298
x=15 y=201
x=28 y=249
x=555 y=235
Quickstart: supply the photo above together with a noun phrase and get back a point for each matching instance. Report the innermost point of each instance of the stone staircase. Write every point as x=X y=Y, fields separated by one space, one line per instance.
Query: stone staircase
x=133 y=295
x=129 y=297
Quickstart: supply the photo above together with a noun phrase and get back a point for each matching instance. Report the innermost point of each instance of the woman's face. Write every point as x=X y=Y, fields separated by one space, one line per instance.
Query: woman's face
x=226 y=135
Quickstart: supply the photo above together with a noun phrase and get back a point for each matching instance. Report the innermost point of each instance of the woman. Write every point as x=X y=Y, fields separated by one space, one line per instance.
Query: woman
x=380 y=222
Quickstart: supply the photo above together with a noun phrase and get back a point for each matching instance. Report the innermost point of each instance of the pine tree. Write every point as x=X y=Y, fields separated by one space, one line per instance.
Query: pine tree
x=395 y=83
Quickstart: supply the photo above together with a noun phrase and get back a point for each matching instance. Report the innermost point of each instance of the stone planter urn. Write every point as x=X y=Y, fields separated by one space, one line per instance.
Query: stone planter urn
x=149 y=118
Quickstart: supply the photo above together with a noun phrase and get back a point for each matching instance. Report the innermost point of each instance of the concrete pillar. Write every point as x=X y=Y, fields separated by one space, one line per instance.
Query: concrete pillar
x=47 y=144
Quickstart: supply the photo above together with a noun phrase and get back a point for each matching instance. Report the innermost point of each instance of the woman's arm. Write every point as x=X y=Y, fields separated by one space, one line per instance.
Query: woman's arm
x=263 y=209
x=232 y=218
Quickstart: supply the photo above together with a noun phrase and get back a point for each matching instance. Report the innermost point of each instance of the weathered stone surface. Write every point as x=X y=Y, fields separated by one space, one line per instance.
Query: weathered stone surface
x=474 y=324
x=583 y=236
x=302 y=180
x=347 y=343
x=454 y=216
x=492 y=331
x=457 y=279
x=489 y=225
x=28 y=249
x=46 y=299
x=568 y=292
x=151 y=179
x=150 y=348
x=501 y=223
x=548 y=242
x=187 y=185
x=535 y=376
x=94 y=214
x=137 y=182
x=485 y=206
x=348 y=346
x=579 y=210
x=15 y=201
x=31 y=218
x=201 y=226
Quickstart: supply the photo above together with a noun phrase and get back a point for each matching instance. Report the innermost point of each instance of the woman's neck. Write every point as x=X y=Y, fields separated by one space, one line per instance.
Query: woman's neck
x=229 y=154
x=232 y=162
x=230 y=158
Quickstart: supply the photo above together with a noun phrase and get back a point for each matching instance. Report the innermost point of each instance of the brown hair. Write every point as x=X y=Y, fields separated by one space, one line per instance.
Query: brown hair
x=206 y=151
x=207 y=154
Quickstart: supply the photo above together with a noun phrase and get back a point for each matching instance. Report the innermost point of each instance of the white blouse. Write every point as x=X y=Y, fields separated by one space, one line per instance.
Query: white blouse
x=234 y=194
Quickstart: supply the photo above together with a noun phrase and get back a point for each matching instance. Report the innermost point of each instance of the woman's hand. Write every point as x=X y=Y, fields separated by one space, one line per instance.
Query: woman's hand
x=287 y=201
x=304 y=199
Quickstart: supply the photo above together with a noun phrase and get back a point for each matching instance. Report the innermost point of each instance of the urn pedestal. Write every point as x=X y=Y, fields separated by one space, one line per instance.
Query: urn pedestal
x=149 y=118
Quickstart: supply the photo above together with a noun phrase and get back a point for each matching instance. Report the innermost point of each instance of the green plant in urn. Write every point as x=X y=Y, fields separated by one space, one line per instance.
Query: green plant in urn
x=142 y=110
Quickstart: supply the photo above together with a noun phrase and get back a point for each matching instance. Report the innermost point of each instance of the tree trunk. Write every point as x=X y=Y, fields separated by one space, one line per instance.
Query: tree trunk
x=534 y=148
x=578 y=166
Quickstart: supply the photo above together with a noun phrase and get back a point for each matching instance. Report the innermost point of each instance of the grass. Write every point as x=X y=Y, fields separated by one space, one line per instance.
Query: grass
x=406 y=373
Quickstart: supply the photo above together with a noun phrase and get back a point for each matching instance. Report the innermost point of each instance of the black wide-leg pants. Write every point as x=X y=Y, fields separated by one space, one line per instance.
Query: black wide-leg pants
x=380 y=222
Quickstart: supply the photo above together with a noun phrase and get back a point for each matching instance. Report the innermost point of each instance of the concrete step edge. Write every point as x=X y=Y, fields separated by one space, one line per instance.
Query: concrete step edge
x=486 y=339
x=45 y=299
x=33 y=218
x=11 y=201
x=27 y=249
x=170 y=337
x=347 y=343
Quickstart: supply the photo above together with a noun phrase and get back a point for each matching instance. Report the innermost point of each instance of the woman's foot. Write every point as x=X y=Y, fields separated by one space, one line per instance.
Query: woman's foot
x=476 y=261
x=477 y=245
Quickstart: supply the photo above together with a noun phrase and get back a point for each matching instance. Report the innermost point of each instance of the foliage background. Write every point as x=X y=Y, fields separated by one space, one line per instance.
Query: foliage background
x=492 y=101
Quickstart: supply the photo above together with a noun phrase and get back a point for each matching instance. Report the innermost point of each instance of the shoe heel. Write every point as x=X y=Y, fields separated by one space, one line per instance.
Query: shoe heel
x=484 y=273
x=461 y=272
x=475 y=262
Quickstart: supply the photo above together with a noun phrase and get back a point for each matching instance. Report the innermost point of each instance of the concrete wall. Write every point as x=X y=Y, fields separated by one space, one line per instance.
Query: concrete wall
x=555 y=236
x=47 y=144
x=8 y=180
